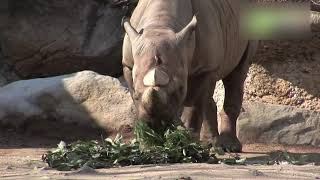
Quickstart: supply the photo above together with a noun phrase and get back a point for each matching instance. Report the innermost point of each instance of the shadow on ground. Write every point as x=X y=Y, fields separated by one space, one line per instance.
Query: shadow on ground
x=284 y=158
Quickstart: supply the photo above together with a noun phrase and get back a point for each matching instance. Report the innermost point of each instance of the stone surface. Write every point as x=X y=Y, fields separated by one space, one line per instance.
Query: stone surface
x=47 y=38
x=265 y=123
x=6 y=74
x=85 y=99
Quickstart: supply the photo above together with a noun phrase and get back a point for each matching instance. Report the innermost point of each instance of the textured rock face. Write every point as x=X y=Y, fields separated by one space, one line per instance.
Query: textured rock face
x=84 y=99
x=45 y=38
x=263 y=123
x=286 y=73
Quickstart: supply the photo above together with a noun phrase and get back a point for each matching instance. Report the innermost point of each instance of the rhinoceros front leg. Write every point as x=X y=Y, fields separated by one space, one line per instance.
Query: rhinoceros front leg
x=234 y=85
x=200 y=108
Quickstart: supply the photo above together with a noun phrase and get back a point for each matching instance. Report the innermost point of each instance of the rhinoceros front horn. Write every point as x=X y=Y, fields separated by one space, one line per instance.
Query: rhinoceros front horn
x=156 y=77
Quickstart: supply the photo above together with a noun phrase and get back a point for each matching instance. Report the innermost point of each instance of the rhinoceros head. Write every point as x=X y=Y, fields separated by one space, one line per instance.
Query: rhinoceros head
x=158 y=77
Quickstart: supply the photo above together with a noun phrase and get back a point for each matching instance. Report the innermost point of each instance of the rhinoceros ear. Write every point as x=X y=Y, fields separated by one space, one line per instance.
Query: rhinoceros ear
x=186 y=32
x=131 y=31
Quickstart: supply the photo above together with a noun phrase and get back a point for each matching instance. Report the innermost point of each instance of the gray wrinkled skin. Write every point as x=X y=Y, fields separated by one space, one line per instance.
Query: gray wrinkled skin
x=193 y=53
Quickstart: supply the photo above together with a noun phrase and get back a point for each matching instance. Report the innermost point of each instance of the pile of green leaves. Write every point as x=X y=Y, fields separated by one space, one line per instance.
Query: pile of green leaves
x=175 y=145
x=172 y=145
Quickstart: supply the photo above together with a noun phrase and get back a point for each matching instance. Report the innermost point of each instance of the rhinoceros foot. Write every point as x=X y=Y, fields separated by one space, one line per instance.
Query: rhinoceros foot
x=228 y=142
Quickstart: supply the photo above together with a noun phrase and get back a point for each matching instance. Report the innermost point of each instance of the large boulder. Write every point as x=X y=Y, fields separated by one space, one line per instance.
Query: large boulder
x=266 y=123
x=67 y=104
x=45 y=38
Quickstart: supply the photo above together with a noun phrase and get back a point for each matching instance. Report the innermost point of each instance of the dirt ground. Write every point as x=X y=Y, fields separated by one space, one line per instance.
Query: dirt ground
x=286 y=73
x=20 y=158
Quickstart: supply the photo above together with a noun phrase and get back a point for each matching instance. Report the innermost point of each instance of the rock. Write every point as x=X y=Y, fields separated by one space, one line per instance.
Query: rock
x=266 y=123
x=81 y=100
x=6 y=74
x=48 y=38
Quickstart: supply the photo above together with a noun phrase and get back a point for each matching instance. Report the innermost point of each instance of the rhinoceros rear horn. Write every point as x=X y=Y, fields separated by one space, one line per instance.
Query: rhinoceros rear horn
x=131 y=31
x=188 y=30
x=156 y=77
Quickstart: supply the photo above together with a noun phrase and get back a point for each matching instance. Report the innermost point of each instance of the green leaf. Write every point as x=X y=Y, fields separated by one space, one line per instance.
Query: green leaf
x=241 y=161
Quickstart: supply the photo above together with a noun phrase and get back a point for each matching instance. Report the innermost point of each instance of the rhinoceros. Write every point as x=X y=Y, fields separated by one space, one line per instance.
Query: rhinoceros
x=174 y=52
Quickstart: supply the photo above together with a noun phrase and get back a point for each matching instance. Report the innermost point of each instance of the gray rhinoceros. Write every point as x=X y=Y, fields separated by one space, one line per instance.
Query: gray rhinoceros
x=171 y=65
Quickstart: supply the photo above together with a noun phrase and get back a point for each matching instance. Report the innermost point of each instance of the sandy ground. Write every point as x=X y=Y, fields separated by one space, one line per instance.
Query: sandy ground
x=176 y=171
x=20 y=158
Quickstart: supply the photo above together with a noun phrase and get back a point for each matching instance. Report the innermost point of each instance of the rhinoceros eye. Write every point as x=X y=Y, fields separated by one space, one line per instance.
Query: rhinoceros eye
x=141 y=31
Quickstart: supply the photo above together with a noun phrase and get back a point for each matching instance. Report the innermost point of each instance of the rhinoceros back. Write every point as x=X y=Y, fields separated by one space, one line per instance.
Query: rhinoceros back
x=219 y=46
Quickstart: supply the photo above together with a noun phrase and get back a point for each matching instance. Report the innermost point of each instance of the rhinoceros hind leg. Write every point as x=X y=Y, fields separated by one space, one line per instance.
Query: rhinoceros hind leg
x=234 y=85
